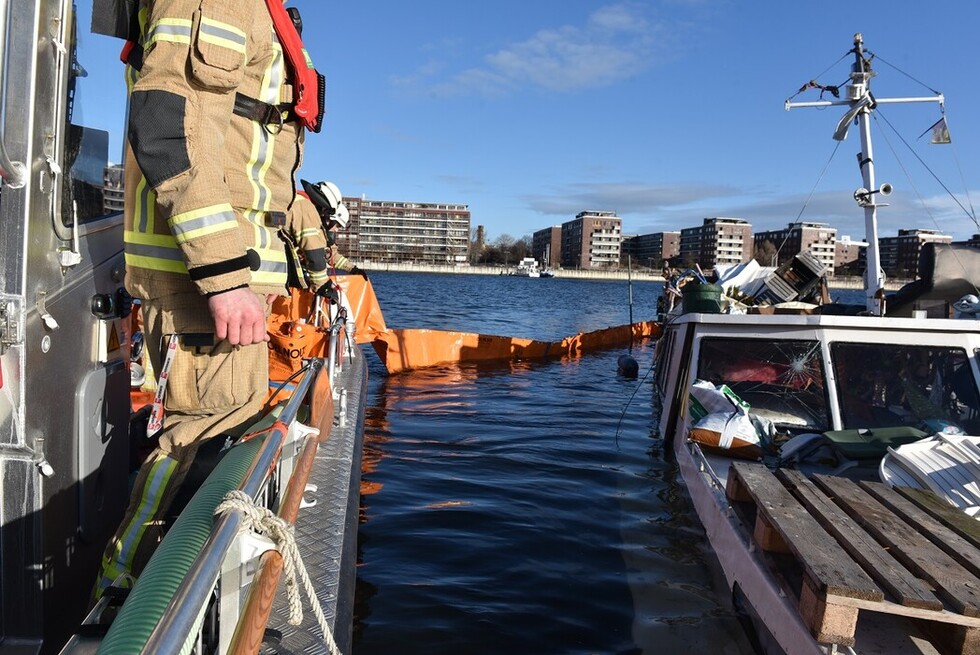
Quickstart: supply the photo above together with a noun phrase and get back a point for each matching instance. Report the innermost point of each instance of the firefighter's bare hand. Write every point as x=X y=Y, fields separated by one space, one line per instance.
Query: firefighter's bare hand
x=239 y=317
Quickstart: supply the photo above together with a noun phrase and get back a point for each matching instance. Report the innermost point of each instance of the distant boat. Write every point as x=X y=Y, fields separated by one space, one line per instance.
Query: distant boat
x=547 y=273
x=528 y=267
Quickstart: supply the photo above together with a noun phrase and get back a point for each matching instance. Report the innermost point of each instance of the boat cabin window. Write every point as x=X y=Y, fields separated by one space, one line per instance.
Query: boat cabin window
x=889 y=385
x=782 y=381
x=95 y=115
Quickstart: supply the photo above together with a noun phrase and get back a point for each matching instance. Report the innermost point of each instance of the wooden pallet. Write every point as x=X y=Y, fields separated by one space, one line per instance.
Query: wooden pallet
x=842 y=548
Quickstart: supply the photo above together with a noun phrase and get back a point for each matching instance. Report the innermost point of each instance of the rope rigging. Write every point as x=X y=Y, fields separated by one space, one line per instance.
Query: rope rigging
x=926 y=166
x=263 y=521
x=813 y=84
x=806 y=203
x=899 y=70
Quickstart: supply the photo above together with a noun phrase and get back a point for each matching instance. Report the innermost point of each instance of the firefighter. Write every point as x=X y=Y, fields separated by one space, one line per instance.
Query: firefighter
x=307 y=244
x=334 y=216
x=221 y=94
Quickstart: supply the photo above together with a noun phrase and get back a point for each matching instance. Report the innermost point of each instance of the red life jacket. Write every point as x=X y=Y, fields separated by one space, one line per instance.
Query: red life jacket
x=309 y=86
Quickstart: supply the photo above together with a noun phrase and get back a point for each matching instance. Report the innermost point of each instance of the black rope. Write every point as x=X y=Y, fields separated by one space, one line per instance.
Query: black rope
x=812 y=84
x=282 y=385
x=630 y=400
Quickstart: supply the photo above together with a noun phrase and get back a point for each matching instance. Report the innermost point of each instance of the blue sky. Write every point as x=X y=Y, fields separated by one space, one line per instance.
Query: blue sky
x=665 y=112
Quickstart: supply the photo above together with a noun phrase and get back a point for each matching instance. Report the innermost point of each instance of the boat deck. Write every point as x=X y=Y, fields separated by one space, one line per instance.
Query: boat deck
x=844 y=549
x=326 y=532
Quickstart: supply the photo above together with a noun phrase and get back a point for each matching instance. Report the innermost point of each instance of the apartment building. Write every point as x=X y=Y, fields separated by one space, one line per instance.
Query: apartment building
x=718 y=240
x=400 y=231
x=817 y=238
x=652 y=249
x=900 y=253
x=546 y=246
x=591 y=240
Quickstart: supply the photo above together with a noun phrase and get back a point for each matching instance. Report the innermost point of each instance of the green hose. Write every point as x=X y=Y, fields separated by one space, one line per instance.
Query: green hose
x=169 y=565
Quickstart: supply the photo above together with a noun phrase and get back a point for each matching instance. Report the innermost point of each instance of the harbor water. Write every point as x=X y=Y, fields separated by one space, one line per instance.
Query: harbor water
x=527 y=507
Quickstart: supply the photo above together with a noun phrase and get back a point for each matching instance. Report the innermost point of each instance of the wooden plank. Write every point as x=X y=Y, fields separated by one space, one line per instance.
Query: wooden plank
x=952 y=543
x=920 y=556
x=907 y=589
x=960 y=522
x=943 y=617
x=828 y=568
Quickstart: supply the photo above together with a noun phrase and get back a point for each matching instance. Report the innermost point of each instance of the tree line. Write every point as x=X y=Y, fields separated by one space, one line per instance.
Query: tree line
x=504 y=250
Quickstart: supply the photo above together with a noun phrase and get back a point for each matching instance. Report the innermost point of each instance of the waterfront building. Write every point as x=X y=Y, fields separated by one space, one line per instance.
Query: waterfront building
x=817 y=238
x=591 y=240
x=400 y=231
x=900 y=254
x=546 y=246
x=113 y=188
x=652 y=249
x=718 y=240
x=973 y=241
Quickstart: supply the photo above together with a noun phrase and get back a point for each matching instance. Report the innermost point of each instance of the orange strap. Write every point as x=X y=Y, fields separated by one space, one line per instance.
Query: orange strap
x=309 y=86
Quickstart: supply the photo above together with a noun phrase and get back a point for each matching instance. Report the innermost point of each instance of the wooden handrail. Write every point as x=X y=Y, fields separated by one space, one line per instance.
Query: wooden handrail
x=250 y=630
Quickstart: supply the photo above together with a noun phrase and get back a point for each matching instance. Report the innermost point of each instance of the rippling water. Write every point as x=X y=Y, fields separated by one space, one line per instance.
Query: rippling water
x=526 y=508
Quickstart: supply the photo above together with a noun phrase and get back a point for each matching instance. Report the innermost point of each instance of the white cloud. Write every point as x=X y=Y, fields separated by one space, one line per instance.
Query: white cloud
x=616 y=42
x=625 y=198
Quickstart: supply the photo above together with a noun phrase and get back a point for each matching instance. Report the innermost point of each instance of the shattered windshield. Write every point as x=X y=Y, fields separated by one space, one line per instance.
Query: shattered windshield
x=887 y=385
x=782 y=381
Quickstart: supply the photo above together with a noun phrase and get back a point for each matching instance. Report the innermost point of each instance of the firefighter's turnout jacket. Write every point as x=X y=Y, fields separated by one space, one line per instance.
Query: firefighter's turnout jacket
x=316 y=254
x=213 y=186
x=304 y=229
x=336 y=260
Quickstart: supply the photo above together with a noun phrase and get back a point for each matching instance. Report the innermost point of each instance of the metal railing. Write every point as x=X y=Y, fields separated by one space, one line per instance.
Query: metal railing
x=335 y=354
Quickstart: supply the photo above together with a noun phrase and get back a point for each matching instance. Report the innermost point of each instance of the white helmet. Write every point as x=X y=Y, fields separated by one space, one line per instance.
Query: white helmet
x=328 y=201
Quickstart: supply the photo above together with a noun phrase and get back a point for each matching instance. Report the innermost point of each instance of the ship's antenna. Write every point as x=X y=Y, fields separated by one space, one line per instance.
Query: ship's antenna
x=860 y=104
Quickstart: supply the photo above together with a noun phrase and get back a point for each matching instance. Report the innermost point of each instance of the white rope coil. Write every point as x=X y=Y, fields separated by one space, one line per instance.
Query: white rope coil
x=264 y=521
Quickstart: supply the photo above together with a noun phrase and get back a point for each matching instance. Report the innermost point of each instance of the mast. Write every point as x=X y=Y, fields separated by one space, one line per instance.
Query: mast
x=861 y=103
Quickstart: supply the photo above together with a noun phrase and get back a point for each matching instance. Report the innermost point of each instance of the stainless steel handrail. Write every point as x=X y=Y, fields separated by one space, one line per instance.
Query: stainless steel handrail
x=14 y=173
x=338 y=323
x=180 y=623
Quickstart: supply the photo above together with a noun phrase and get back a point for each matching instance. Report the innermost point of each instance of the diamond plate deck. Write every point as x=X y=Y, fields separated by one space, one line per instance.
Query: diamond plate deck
x=327 y=532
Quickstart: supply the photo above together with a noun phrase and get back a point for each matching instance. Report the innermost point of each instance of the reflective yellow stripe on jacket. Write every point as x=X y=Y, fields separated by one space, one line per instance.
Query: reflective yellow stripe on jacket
x=174 y=30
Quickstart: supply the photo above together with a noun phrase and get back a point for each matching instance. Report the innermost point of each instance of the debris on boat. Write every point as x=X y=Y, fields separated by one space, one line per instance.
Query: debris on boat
x=798 y=286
